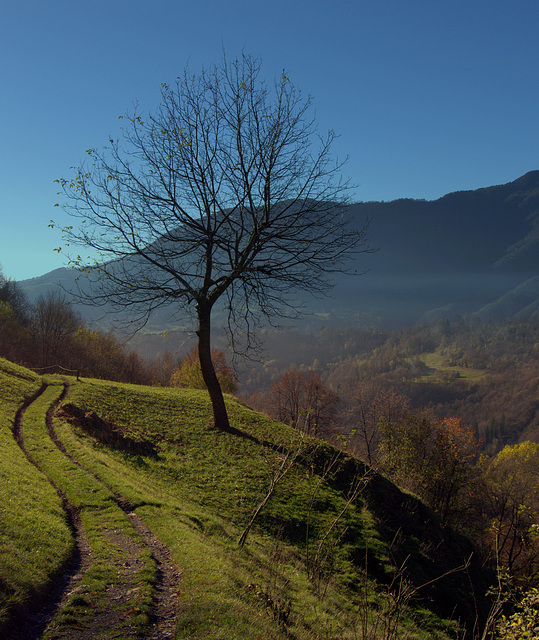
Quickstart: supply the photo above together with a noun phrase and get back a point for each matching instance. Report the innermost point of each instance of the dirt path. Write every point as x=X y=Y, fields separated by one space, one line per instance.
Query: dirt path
x=41 y=617
x=164 y=607
x=31 y=621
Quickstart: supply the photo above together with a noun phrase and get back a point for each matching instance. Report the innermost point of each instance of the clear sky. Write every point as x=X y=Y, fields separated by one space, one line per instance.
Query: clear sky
x=428 y=96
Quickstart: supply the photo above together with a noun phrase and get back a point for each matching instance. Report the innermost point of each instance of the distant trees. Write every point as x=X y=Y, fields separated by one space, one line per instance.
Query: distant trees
x=302 y=400
x=50 y=334
x=189 y=372
x=225 y=196
x=494 y=500
x=15 y=337
x=100 y=354
x=54 y=324
x=432 y=457
x=11 y=294
x=162 y=368
x=369 y=406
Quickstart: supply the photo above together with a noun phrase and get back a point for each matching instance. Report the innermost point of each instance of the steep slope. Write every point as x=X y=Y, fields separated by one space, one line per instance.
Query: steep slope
x=519 y=303
x=302 y=569
x=453 y=255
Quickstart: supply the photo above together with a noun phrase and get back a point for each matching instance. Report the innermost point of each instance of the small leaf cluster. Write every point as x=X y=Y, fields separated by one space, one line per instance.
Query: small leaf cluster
x=524 y=622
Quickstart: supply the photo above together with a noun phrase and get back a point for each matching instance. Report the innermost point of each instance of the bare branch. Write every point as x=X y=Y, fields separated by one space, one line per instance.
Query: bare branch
x=225 y=194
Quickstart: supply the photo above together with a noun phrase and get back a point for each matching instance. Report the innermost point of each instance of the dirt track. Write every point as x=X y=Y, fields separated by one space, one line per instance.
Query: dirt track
x=40 y=617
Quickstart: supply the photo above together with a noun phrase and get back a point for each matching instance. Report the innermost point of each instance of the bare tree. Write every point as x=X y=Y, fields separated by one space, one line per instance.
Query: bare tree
x=226 y=196
x=369 y=405
x=302 y=400
x=54 y=325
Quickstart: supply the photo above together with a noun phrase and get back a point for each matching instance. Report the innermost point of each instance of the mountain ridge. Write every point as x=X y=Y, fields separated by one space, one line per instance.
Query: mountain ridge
x=458 y=254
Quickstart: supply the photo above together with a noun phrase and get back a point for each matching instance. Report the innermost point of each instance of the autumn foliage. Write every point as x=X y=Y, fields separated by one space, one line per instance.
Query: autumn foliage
x=432 y=457
x=49 y=336
x=189 y=374
x=509 y=508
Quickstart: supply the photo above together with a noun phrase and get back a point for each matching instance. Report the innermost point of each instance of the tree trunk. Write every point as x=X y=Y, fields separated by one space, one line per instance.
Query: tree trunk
x=220 y=415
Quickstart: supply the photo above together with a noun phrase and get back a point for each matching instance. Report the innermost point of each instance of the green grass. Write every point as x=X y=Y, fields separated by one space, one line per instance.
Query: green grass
x=213 y=481
x=111 y=538
x=435 y=362
x=197 y=494
x=35 y=540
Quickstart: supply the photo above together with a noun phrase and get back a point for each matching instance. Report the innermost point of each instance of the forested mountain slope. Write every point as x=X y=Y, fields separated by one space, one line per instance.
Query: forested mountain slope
x=458 y=254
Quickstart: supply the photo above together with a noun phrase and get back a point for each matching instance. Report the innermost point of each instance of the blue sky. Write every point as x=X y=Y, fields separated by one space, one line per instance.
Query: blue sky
x=428 y=96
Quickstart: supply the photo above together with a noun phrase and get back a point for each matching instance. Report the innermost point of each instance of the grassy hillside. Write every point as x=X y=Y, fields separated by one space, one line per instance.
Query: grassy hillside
x=35 y=540
x=337 y=552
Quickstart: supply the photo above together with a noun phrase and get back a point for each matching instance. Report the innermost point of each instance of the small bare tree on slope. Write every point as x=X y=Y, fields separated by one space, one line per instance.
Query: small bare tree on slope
x=224 y=196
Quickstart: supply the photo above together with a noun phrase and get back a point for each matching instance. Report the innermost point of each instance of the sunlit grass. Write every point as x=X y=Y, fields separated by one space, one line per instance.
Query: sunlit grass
x=435 y=361
x=35 y=540
x=196 y=494
x=104 y=524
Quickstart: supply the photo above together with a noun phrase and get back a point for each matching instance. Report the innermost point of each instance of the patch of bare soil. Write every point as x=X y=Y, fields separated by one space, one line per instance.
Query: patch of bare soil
x=114 y=621
x=166 y=596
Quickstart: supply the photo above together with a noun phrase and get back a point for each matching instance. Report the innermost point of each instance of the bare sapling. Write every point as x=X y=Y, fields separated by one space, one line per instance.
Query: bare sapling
x=279 y=467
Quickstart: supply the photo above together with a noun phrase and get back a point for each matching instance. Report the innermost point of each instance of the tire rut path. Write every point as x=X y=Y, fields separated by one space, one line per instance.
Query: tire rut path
x=30 y=622
x=164 y=613
x=167 y=586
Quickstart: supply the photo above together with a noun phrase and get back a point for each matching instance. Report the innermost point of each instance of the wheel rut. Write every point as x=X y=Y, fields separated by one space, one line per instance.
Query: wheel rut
x=164 y=607
x=164 y=611
x=30 y=623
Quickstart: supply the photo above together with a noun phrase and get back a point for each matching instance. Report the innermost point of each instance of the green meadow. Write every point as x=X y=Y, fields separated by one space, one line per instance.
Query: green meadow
x=336 y=552
x=435 y=362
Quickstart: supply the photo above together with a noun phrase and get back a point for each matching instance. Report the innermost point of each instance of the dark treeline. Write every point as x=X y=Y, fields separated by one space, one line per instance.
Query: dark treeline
x=49 y=336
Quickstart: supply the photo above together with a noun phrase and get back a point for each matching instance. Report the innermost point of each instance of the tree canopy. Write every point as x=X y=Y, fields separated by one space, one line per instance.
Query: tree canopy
x=225 y=195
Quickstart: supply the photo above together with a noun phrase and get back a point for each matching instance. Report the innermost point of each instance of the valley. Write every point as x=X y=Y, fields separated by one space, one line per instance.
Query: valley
x=356 y=493
x=467 y=253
